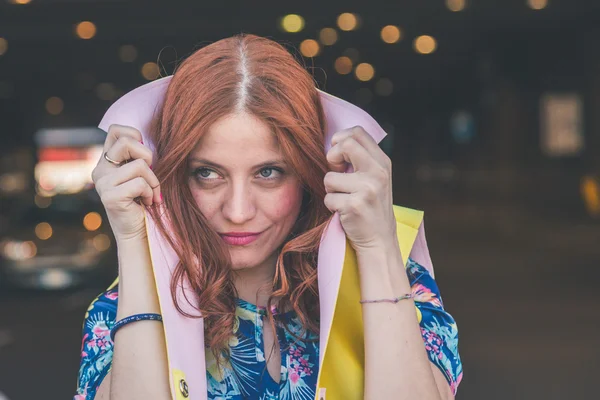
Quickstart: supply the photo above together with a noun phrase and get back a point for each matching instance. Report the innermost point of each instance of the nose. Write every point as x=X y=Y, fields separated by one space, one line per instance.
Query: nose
x=239 y=206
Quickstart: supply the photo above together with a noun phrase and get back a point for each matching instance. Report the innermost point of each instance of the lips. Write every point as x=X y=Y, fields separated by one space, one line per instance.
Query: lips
x=239 y=238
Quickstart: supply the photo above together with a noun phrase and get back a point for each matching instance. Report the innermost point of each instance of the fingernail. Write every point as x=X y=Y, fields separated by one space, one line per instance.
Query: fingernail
x=151 y=167
x=142 y=141
x=161 y=199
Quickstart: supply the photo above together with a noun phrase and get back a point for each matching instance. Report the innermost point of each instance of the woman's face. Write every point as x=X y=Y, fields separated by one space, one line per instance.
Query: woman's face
x=242 y=184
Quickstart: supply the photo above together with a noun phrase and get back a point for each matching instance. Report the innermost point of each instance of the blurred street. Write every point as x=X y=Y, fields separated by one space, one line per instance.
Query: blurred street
x=521 y=290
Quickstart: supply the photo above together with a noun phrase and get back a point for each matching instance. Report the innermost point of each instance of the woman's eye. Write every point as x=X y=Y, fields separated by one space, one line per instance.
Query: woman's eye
x=204 y=173
x=269 y=173
x=207 y=174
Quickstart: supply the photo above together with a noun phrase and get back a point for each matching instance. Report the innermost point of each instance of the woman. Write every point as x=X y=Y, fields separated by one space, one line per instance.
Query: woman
x=237 y=185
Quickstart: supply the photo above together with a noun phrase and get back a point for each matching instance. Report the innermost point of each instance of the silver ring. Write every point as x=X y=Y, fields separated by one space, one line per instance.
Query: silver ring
x=110 y=160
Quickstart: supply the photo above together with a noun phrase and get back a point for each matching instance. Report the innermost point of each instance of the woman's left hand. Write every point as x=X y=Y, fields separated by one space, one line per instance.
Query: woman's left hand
x=362 y=198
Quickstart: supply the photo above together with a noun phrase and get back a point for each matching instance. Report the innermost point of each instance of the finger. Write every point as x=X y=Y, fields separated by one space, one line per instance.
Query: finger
x=335 y=201
x=126 y=148
x=137 y=169
x=116 y=131
x=137 y=187
x=339 y=182
x=364 y=139
x=350 y=151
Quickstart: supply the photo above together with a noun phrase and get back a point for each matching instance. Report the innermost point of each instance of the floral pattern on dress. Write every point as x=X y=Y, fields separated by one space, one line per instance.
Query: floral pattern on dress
x=244 y=375
x=438 y=328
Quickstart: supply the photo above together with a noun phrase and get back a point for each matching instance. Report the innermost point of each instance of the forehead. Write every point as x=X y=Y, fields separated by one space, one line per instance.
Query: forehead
x=238 y=134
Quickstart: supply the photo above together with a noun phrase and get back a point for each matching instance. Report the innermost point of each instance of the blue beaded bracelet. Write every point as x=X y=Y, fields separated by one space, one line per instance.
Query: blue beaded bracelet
x=133 y=318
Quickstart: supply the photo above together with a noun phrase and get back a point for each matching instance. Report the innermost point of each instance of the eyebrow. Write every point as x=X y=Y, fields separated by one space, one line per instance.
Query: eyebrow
x=258 y=166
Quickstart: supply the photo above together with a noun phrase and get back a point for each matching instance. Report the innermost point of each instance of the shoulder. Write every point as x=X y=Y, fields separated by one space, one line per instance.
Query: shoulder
x=96 y=345
x=101 y=315
x=105 y=304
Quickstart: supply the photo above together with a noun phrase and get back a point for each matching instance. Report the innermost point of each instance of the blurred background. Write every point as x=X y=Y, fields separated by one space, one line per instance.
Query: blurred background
x=493 y=113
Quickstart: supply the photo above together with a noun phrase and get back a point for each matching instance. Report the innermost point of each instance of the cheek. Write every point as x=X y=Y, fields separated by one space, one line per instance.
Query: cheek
x=287 y=203
x=205 y=203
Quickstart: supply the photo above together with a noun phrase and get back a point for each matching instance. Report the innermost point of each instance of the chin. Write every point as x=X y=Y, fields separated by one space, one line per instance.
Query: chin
x=245 y=261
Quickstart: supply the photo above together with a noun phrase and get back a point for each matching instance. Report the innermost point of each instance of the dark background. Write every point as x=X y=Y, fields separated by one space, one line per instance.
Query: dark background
x=514 y=240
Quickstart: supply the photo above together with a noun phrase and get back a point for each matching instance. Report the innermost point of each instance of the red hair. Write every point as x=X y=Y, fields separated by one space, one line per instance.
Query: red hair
x=258 y=76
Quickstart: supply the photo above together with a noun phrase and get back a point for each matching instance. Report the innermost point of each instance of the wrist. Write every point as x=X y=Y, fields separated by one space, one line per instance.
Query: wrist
x=382 y=273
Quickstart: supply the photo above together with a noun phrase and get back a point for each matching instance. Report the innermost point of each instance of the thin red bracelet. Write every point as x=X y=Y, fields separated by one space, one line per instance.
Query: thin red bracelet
x=394 y=300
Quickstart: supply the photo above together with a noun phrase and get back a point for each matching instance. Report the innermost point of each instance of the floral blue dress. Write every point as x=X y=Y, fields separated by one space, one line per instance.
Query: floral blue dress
x=245 y=375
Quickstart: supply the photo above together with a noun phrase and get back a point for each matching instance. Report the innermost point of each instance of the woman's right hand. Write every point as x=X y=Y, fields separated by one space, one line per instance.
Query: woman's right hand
x=119 y=185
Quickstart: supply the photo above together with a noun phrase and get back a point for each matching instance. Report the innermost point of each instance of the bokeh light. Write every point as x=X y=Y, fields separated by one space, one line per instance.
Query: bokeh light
x=54 y=105
x=127 y=53
x=537 y=4
x=384 y=87
x=343 y=65
x=92 y=221
x=391 y=34
x=3 y=46
x=364 y=72
x=20 y=1
x=42 y=201
x=292 y=23
x=43 y=230
x=101 y=242
x=328 y=36
x=309 y=48
x=85 y=30
x=425 y=44
x=150 y=71
x=456 y=5
x=347 y=21
x=106 y=91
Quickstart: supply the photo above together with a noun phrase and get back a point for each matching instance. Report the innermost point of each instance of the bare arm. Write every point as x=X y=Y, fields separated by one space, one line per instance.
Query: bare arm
x=139 y=365
x=396 y=363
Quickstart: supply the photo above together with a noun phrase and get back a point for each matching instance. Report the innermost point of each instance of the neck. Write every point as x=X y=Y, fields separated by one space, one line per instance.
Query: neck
x=255 y=284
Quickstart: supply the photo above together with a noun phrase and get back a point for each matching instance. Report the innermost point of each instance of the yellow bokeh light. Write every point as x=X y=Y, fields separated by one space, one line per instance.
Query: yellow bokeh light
x=456 y=5
x=150 y=71
x=364 y=72
x=43 y=230
x=590 y=190
x=86 y=30
x=20 y=1
x=292 y=23
x=92 y=221
x=343 y=65
x=328 y=36
x=54 y=105
x=127 y=53
x=391 y=34
x=3 y=46
x=101 y=242
x=309 y=48
x=347 y=21
x=537 y=4
x=425 y=44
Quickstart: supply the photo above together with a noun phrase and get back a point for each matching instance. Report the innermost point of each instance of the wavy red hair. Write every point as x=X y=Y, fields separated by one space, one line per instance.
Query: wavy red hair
x=259 y=76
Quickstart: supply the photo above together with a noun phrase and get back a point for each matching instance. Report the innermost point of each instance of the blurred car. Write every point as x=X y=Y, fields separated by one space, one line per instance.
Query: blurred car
x=59 y=242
